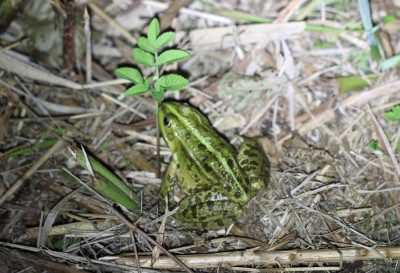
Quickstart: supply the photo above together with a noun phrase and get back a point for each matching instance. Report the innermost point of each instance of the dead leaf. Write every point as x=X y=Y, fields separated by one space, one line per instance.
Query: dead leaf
x=4 y=123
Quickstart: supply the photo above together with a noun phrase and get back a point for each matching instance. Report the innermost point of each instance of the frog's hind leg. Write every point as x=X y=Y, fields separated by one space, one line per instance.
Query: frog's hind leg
x=209 y=209
x=255 y=164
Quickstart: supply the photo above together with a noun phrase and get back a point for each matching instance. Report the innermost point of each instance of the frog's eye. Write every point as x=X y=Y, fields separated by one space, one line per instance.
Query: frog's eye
x=166 y=122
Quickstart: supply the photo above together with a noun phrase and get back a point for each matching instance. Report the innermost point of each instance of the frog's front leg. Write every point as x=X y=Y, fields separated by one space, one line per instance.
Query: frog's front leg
x=210 y=209
x=168 y=183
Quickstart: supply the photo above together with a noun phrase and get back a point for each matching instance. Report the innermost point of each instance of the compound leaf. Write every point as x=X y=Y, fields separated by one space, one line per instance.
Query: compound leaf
x=148 y=81
x=393 y=115
x=172 y=56
x=153 y=31
x=164 y=39
x=129 y=73
x=136 y=90
x=172 y=82
x=143 y=57
x=144 y=44
x=157 y=94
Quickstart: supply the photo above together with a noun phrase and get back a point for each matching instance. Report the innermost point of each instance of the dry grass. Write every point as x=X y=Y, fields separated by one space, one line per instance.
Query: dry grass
x=332 y=204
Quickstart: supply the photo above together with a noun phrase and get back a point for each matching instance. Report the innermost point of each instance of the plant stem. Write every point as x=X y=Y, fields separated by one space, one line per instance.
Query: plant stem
x=156 y=67
x=158 y=174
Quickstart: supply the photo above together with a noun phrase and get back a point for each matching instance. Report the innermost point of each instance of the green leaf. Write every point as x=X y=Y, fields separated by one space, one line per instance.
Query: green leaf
x=143 y=57
x=393 y=115
x=34 y=147
x=365 y=12
x=172 y=56
x=172 y=82
x=153 y=31
x=157 y=85
x=136 y=90
x=373 y=145
x=321 y=44
x=353 y=83
x=148 y=81
x=390 y=62
x=164 y=39
x=129 y=73
x=144 y=44
x=398 y=145
x=157 y=94
x=389 y=18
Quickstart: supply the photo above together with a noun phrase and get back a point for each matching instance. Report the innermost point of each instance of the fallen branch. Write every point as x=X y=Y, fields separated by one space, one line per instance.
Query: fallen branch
x=263 y=257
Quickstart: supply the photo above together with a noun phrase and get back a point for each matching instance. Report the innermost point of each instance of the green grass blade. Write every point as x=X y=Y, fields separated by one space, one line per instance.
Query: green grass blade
x=99 y=169
x=42 y=145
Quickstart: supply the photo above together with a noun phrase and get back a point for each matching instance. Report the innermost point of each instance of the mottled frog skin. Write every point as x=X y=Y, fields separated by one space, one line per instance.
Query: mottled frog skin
x=216 y=181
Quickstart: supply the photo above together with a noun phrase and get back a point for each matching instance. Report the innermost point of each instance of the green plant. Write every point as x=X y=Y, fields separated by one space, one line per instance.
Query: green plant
x=390 y=62
x=393 y=115
x=106 y=182
x=365 y=12
x=147 y=54
x=374 y=145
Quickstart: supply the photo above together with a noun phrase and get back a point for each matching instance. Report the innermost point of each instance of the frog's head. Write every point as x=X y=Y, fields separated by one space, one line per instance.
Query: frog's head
x=178 y=122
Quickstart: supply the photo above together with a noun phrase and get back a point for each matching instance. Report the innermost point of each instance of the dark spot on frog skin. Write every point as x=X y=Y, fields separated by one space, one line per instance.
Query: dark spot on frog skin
x=197 y=200
x=194 y=211
x=237 y=194
x=196 y=178
x=246 y=152
x=230 y=163
x=208 y=196
x=245 y=186
x=253 y=163
x=207 y=167
x=210 y=205
x=198 y=189
x=220 y=222
x=170 y=136
x=244 y=162
x=227 y=187
x=202 y=147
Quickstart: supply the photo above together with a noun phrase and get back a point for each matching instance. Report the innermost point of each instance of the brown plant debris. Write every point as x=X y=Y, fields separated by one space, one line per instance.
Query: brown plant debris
x=298 y=75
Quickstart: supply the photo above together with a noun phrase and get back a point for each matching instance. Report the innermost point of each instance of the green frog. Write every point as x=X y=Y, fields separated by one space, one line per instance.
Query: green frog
x=215 y=180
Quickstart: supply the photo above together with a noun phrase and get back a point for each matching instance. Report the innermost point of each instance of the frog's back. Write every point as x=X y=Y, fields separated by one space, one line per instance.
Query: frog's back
x=204 y=157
